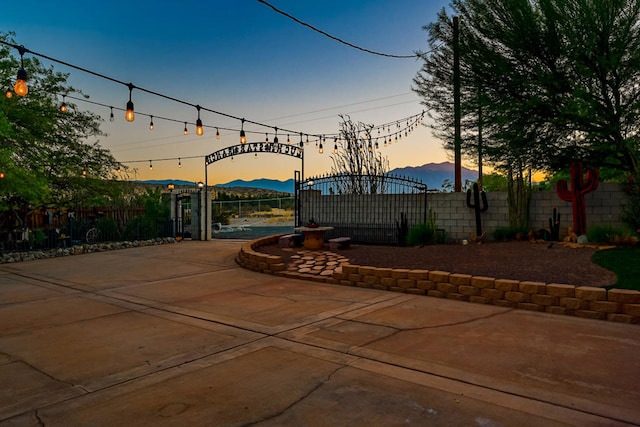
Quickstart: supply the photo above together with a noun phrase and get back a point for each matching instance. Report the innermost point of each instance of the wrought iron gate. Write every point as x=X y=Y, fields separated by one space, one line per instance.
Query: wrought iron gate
x=368 y=208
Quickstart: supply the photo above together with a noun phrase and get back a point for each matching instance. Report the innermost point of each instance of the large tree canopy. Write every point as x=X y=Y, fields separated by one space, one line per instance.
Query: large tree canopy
x=44 y=151
x=544 y=82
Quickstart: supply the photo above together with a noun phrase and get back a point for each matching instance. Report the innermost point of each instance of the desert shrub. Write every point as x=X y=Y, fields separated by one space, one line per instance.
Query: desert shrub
x=608 y=234
x=505 y=234
x=108 y=228
x=425 y=233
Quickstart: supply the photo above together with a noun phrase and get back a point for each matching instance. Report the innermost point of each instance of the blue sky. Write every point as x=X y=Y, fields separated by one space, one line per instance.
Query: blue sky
x=241 y=58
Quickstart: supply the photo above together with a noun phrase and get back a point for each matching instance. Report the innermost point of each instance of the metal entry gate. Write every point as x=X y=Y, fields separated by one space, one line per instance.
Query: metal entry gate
x=368 y=208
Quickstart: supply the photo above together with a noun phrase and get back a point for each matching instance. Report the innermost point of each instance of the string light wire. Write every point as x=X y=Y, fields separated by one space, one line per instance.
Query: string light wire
x=339 y=40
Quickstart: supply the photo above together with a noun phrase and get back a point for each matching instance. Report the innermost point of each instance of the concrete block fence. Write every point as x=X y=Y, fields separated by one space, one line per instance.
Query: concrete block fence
x=603 y=207
x=617 y=305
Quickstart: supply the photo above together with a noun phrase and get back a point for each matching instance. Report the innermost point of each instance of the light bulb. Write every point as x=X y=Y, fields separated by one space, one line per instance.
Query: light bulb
x=150 y=165
x=186 y=131
x=217 y=134
x=63 y=107
x=320 y=149
x=179 y=163
x=266 y=137
x=8 y=93
x=199 y=130
x=84 y=172
x=129 y=115
x=288 y=140
x=21 y=87
x=111 y=118
x=243 y=138
x=335 y=149
x=151 y=124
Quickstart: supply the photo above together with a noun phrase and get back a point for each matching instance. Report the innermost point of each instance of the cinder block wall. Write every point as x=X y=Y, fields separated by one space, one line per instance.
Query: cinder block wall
x=603 y=207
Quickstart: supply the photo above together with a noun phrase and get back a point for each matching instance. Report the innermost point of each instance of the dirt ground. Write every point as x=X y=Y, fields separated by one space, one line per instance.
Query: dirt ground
x=524 y=261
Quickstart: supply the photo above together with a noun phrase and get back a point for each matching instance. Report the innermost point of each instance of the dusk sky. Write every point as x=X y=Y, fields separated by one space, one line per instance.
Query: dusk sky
x=241 y=58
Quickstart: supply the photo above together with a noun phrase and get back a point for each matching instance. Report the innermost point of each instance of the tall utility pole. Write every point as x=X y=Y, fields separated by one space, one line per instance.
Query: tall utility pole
x=457 y=143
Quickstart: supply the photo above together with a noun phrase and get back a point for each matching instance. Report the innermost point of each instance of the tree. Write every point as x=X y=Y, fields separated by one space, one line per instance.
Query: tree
x=356 y=160
x=545 y=82
x=48 y=157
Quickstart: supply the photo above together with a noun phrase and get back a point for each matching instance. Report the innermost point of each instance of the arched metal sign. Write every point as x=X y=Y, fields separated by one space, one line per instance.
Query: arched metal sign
x=255 y=147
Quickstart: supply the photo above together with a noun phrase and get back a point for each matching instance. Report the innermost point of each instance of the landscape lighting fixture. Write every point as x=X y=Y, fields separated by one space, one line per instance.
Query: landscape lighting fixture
x=21 y=87
x=151 y=123
x=130 y=115
x=243 y=138
x=199 y=130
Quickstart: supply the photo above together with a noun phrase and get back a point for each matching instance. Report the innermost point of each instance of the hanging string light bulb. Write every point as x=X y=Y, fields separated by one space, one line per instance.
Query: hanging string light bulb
x=243 y=137
x=275 y=138
x=320 y=148
x=9 y=93
x=301 y=143
x=179 y=163
x=288 y=140
x=150 y=165
x=199 y=129
x=266 y=137
x=63 y=106
x=21 y=87
x=335 y=148
x=130 y=115
x=84 y=173
x=112 y=117
x=217 y=134
x=185 y=131
x=151 y=123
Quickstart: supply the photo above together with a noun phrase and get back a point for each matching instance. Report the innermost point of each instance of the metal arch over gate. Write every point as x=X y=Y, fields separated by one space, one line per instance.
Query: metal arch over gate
x=255 y=147
x=367 y=208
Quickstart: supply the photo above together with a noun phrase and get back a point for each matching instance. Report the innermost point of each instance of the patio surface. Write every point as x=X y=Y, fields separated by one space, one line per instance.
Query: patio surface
x=179 y=334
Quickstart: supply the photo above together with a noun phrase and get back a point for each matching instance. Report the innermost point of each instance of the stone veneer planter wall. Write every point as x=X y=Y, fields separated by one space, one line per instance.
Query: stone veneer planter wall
x=618 y=305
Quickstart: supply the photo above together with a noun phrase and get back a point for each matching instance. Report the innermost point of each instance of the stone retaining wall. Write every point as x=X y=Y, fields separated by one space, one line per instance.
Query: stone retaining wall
x=618 y=305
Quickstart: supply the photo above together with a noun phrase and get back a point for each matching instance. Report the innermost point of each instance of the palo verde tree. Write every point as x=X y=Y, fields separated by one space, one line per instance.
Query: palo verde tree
x=545 y=81
x=356 y=160
x=48 y=157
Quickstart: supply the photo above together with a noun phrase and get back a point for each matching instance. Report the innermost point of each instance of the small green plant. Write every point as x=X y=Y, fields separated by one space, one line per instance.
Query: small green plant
x=426 y=233
x=505 y=234
x=610 y=235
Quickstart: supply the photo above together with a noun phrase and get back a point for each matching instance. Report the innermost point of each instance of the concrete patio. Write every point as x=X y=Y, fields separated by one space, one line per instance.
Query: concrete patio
x=178 y=334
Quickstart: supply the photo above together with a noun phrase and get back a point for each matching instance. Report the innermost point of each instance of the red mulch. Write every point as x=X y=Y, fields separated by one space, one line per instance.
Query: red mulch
x=522 y=261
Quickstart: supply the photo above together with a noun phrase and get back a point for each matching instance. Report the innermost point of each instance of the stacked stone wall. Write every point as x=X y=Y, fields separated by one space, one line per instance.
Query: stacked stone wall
x=618 y=305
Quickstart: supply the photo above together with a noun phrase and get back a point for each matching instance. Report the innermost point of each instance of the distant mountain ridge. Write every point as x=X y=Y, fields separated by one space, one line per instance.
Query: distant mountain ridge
x=432 y=174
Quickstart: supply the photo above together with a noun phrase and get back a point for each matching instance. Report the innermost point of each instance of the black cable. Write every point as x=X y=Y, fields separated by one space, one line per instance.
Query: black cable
x=336 y=38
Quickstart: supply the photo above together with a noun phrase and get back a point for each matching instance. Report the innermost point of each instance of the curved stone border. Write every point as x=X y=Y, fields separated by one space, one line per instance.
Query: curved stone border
x=618 y=305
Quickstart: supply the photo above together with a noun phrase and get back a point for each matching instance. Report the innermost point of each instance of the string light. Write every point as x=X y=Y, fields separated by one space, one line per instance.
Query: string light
x=217 y=134
x=266 y=137
x=185 y=131
x=179 y=163
x=243 y=137
x=130 y=115
x=150 y=165
x=21 y=87
x=9 y=93
x=288 y=140
x=199 y=130
x=63 y=106
x=301 y=143
x=111 y=118
x=275 y=138
x=335 y=149
x=151 y=123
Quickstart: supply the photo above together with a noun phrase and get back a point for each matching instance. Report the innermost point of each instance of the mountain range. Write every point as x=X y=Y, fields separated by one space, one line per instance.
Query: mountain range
x=432 y=174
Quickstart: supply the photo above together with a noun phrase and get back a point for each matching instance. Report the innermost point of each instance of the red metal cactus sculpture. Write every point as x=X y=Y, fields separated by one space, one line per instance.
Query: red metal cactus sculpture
x=579 y=188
